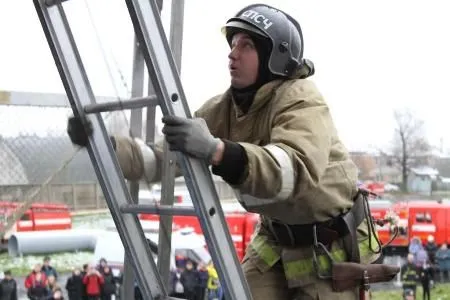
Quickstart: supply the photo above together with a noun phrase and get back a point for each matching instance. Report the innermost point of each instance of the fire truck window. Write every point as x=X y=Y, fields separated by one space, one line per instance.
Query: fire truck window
x=428 y=217
x=420 y=217
x=402 y=230
x=25 y=217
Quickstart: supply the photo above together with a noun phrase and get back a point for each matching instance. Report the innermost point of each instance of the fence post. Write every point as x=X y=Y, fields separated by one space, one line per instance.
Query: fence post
x=97 y=196
x=74 y=197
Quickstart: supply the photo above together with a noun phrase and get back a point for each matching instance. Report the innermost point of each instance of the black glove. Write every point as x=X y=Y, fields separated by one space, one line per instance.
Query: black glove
x=78 y=132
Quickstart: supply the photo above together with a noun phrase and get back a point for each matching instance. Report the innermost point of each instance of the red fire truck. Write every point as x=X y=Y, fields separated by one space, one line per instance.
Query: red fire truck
x=240 y=223
x=38 y=217
x=415 y=218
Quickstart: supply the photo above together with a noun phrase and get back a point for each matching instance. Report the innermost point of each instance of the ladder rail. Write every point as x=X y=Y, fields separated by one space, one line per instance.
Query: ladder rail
x=160 y=63
x=79 y=92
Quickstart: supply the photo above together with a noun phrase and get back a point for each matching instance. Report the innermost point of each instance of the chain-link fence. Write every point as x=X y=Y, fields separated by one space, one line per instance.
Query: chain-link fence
x=38 y=162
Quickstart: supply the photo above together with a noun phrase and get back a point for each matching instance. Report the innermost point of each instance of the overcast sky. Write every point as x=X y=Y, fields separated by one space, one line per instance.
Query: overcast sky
x=371 y=57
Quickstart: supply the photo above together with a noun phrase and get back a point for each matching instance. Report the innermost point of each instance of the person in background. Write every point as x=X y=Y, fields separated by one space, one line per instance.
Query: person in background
x=426 y=278
x=8 y=287
x=190 y=278
x=101 y=265
x=421 y=257
x=414 y=246
x=431 y=249
x=177 y=288
x=57 y=295
x=109 y=284
x=93 y=281
x=37 y=286
x=214 y=288
x=74 y=285
x=83 y=274
x=52 y=284
x=409 y=275
x=443 y=261
x=202 y=281
x=48 y=269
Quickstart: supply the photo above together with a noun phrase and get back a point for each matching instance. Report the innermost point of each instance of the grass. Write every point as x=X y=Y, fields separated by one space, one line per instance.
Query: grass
x=439 y=292
x=63 y=262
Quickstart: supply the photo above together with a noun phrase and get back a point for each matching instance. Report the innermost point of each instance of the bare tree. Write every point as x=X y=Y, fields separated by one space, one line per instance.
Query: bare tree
x=410 y=145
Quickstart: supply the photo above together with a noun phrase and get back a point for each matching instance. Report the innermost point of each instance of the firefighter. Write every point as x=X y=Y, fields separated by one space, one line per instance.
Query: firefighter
x=272 y=138
x=410 y=276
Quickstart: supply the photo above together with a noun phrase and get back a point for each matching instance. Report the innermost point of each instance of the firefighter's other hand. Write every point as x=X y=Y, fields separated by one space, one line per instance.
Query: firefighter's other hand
x=79 y=132
x=190 y=136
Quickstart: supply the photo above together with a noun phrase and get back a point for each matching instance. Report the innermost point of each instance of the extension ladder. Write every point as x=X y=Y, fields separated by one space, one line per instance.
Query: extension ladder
x=169 y=95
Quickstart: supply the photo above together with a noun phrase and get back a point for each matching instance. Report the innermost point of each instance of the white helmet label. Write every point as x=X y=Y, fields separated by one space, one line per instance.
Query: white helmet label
x=257 y=18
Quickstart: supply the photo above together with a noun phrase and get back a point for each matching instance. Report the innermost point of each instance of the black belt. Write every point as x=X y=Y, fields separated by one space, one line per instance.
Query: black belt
x=327 y=232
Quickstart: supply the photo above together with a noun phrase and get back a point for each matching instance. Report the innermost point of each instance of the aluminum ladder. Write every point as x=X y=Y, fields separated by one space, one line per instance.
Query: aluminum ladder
x=169 y=95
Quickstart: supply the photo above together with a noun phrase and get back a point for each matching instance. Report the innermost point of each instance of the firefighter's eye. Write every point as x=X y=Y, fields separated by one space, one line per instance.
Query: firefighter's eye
x=248 y=45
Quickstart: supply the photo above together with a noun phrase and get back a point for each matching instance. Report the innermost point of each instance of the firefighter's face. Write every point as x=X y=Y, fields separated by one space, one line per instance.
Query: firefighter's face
x=244 y=64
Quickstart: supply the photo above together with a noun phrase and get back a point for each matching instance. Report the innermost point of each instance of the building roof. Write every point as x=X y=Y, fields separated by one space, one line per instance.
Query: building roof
x=432 y=172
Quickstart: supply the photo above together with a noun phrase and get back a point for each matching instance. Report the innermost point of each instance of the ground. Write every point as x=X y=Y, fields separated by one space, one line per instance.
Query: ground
x=63 y=262
x=440 y=292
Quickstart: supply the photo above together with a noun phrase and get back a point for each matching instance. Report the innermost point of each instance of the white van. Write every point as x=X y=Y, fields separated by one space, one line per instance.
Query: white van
x=181 y=195
x=185 y=242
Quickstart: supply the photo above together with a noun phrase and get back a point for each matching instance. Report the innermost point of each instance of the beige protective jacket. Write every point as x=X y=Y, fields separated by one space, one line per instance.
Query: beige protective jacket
x=299 y=172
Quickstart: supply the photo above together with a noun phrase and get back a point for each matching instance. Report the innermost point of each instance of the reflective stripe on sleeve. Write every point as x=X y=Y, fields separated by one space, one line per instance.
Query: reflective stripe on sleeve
x=287 y=171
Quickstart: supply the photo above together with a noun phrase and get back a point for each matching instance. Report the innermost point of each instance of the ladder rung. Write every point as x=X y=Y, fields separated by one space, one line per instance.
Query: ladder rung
x=132 y=103
x=158 y=209
x=53 y=2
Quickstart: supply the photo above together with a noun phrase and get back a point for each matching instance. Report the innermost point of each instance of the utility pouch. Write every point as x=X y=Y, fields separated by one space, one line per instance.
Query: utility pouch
x=349 y=275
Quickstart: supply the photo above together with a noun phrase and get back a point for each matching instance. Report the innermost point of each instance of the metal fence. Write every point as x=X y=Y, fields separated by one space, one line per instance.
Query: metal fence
x=38 y=162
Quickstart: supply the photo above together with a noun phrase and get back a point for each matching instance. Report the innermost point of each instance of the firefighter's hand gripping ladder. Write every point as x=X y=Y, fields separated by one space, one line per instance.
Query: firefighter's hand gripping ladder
x=170 y=96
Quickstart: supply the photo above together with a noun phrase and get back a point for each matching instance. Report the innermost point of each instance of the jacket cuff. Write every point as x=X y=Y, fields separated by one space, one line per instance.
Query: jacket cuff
x=233 y=167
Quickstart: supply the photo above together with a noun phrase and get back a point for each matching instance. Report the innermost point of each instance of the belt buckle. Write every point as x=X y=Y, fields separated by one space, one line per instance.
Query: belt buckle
x=320 y=246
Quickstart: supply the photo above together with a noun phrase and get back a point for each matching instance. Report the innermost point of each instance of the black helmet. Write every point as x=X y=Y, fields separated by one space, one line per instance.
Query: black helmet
x=284 y=32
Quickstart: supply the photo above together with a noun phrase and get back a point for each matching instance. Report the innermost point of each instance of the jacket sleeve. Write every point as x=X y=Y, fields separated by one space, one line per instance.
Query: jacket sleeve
x=140 y=161
x=28 y=281
x=299 y=148
x=137 y=160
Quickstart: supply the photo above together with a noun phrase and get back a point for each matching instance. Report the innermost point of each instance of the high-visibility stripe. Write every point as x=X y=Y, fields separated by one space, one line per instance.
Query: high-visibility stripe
x=264 y=250
x=150 y=164
x=302 y=267
x=287 y=171
x=287 y=179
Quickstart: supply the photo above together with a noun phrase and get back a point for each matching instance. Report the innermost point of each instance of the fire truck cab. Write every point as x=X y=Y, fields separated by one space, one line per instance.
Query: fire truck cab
x=430 y=218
